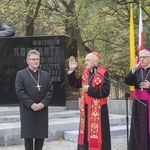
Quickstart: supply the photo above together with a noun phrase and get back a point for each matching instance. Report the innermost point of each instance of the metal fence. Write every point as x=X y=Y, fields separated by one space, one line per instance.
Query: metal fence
x=117 y=91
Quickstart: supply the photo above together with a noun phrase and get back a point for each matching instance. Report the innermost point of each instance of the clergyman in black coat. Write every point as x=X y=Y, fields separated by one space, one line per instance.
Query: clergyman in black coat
x=34 y=89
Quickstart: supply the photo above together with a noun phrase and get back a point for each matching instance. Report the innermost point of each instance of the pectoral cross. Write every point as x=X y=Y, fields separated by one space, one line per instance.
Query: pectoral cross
x=38 y=86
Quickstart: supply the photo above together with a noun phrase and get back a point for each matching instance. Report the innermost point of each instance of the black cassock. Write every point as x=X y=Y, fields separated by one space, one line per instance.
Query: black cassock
x=139 y=139
x=95 y=92
x=34 y=124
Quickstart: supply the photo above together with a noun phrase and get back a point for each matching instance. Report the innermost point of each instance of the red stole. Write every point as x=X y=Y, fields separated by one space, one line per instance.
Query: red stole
x=94 y=111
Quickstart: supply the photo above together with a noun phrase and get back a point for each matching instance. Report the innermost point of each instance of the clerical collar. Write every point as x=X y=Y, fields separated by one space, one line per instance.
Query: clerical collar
x=34 y=71
x=146 y=67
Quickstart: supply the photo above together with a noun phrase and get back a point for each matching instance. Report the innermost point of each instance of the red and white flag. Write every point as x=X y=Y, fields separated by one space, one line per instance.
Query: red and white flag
x=141 y=34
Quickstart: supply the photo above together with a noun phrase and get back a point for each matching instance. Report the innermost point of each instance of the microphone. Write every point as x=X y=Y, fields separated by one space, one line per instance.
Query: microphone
x=95 y=69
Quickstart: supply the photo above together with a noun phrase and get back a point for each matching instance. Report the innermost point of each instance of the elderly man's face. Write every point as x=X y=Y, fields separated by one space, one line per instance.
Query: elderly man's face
x=144 y=59
x=90 y=62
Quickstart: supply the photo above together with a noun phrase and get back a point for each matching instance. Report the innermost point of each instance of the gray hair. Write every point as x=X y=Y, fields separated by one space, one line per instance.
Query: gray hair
x=146 y=51
x=33 y=51
x=95 y=57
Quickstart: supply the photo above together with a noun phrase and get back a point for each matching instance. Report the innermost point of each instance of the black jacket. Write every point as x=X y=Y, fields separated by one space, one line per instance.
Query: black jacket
x=34 y=124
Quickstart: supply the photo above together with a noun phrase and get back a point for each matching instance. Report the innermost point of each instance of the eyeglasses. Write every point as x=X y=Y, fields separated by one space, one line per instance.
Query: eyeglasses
x=143 y=57
x=34 y=59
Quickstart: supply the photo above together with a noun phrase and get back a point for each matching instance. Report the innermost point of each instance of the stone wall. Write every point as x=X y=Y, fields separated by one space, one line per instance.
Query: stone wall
x=115 y=106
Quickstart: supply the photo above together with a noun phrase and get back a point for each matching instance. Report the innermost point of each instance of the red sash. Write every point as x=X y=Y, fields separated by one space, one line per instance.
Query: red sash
x=94 y=112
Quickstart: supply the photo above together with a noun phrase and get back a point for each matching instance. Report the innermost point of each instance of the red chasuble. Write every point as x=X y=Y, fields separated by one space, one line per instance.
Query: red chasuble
x=94 y=111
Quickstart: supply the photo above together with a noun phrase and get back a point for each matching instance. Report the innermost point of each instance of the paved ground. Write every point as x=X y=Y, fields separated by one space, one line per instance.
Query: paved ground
x=117 y=144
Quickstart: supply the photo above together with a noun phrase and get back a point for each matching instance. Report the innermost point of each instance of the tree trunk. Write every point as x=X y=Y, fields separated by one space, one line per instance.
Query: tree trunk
x=31 y=16
x=72 y=29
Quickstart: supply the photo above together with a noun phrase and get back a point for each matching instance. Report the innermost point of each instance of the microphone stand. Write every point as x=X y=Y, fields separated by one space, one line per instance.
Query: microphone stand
x=127 y=94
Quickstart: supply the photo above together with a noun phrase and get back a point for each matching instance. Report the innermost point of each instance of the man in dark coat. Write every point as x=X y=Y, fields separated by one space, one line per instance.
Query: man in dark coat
x=139 y=77
x=94 y=130
x=34 y=90
x=5 y=30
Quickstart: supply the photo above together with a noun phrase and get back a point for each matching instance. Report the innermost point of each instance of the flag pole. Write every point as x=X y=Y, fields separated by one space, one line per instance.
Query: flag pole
x=141 y=34
x=132 y=44
x=132 y=59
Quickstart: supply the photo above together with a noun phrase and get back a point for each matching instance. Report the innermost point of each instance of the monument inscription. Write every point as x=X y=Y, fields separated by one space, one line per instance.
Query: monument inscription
x=13 y=52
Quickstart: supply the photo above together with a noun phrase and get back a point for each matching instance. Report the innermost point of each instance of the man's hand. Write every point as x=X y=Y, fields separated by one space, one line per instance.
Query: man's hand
x=72 y=63
x=40 y=106
x=85 y=88
x=136 y=64
x=35 y=107
x=145 y=84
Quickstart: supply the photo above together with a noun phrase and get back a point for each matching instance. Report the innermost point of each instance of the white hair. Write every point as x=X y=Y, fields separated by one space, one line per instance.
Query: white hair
x=146 y=51
x=95 y=57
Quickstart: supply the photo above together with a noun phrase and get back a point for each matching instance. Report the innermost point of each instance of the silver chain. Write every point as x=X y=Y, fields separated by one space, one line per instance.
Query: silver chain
x=37 y=82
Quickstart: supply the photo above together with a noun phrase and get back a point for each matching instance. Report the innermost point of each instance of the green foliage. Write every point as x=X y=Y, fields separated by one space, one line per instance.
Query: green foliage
x=99 y=25
x=105 y=28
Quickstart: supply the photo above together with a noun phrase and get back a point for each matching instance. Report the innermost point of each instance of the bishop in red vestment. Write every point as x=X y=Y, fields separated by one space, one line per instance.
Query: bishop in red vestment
x=94 y=130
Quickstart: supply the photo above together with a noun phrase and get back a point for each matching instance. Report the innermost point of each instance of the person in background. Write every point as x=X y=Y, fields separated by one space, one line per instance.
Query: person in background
x=5 y=30
x=139 y=77
x=34 y=89
x=94 y=130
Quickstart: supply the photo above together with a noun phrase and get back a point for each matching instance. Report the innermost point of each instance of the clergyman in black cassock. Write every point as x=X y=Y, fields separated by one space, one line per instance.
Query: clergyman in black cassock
x=139 y=77
x=34 y=89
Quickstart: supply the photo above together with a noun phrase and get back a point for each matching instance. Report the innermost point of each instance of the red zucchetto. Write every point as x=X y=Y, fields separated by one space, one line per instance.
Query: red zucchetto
x=96 y=54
